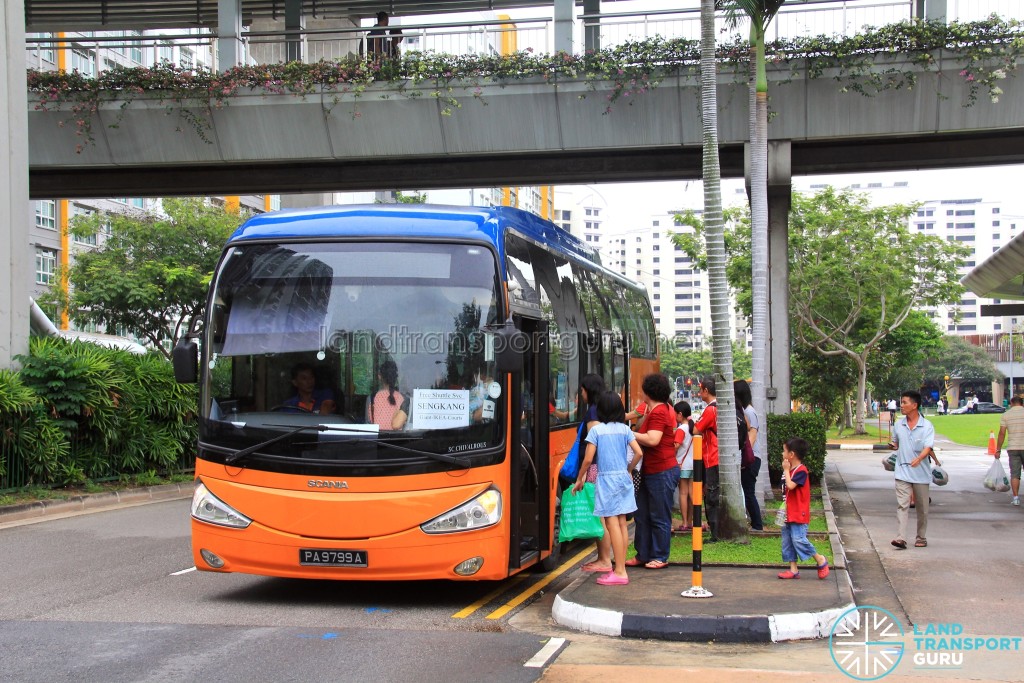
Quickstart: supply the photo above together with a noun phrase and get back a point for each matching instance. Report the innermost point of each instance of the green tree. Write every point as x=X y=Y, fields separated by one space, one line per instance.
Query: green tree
x=732 y=522
x=152 y=273
x=857 y=273
x=696 y=363
x=896 y=364
x=822 y=382
x=956 y=358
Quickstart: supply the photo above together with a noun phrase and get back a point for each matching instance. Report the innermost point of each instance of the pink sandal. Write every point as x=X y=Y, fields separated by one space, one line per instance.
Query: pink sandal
x=612 y=579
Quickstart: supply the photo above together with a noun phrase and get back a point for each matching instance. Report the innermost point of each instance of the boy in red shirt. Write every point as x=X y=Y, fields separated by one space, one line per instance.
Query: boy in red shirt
x=797 y=488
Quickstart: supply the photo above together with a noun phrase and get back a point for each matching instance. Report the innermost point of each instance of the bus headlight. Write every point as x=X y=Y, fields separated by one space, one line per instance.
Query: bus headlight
x=481 y=512
x=207 y=507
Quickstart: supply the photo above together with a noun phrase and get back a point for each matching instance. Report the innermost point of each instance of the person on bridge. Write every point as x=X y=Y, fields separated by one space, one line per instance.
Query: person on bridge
x=381 y=43
x=913 y=439
x=1012 y=422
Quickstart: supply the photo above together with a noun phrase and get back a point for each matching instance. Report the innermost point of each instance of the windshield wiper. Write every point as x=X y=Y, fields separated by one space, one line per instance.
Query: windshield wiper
x=245 y=453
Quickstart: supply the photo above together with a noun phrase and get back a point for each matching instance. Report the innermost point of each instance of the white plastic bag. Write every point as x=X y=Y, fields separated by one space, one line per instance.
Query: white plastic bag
x=780 y=516
x=939 y=476
x=889 y=463
x=996 y=479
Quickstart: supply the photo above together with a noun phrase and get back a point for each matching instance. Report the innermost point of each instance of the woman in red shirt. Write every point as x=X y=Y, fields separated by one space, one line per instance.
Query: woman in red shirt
x=660 y=475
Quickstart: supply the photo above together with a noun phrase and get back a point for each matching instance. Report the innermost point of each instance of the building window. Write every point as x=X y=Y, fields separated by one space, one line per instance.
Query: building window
x=657 y=271
x=46 y=265
x=82 y=62
x=995 y=209
x=964 y=212
x=656 y=259
x=655 y=224
x=46 y=214
x=995 y=224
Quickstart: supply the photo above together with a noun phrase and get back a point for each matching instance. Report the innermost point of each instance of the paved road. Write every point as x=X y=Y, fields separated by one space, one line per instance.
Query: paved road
x=109 y=596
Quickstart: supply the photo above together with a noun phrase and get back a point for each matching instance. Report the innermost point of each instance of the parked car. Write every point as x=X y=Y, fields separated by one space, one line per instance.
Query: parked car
x=979 y=407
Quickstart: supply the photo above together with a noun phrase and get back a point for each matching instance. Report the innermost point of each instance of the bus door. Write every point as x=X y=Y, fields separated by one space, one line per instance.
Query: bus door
x=529 y=494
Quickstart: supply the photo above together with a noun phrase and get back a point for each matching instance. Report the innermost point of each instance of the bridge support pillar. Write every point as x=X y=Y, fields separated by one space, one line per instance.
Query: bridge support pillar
x=592 y=32
x=563 y=25
x=14 y=222
x=294 y=22
x=229 y=34
x=780 y=190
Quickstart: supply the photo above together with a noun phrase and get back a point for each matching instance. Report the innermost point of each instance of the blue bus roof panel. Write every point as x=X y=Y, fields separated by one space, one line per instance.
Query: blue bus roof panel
x=485 y=224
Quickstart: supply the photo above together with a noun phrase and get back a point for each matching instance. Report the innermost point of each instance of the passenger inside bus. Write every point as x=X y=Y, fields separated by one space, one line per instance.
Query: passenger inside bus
x=389 y=409
x=307 y=397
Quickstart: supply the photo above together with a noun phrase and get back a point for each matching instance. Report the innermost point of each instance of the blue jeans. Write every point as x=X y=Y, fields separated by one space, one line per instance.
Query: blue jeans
x=748 y=479
x=654 y=515
x=794 y=542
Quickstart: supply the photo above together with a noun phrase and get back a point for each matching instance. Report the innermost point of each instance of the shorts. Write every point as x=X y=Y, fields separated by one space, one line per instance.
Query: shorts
x=1016 y=457
x=686 y=474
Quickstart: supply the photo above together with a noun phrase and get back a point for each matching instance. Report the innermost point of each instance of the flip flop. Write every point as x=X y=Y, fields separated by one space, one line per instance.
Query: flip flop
x=592 y=567
x=921 y=543
x=902 y=545
x=656 y=564
x=612 y=579
x=633 y=562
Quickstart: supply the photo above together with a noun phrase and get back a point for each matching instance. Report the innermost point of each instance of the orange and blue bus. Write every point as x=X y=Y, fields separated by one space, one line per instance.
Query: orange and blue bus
x=468 y=328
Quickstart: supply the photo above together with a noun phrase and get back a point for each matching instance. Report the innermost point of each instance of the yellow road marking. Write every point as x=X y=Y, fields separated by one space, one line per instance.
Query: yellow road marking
x=505 y=585
x=521 y=598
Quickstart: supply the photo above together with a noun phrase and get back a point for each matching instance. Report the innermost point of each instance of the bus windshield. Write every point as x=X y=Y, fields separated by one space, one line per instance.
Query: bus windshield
x=361 y=357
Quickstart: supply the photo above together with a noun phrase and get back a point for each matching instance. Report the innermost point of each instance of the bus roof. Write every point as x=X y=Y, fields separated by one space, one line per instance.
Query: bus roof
x=485 y=224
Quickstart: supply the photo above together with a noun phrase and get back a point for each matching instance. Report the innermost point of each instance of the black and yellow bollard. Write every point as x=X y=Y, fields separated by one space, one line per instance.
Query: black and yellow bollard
x=697 y=590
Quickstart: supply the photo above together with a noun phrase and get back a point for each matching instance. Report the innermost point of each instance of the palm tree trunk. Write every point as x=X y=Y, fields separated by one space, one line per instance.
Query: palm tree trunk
x=759 y=246
x=732 y=524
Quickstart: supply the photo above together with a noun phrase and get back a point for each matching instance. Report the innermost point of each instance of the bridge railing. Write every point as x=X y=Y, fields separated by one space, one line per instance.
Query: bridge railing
x=91 y=53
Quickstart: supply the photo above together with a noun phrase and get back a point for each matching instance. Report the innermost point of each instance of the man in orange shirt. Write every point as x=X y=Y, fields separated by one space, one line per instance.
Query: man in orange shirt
x=707 y=427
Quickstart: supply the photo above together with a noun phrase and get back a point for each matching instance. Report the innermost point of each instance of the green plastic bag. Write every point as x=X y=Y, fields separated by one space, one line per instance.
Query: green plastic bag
x=578 y=520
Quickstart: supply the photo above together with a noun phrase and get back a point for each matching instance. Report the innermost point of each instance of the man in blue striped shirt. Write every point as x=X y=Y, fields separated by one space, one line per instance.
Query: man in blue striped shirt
x=913 y=438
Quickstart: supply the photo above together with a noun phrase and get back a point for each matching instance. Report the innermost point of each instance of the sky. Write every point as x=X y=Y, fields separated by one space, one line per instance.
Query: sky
x=628 y=202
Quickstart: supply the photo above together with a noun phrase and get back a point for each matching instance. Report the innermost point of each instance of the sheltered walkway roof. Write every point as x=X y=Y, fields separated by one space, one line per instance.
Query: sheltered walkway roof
x=1001 y=275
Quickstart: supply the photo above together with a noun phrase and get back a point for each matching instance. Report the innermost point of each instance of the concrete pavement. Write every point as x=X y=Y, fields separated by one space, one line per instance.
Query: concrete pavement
x=966 y=577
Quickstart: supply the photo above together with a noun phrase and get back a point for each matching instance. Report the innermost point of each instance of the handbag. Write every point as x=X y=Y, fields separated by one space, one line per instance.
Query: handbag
x=571 y=466
x=577 y=518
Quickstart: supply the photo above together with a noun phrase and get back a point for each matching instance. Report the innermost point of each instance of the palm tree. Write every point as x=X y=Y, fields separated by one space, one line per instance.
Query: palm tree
x=732 y=523
x=760 y=13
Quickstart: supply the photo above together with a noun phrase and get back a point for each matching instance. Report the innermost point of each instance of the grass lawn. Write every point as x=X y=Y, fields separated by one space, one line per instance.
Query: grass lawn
x=763 y=551
x=875 y=434
x=967 y=430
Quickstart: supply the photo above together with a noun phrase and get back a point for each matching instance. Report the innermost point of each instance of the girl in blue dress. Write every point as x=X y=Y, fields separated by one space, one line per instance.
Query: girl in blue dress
x=613 y=492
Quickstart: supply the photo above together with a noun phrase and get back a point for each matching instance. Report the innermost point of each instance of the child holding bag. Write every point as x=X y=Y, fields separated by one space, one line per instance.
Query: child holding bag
x=613 y=495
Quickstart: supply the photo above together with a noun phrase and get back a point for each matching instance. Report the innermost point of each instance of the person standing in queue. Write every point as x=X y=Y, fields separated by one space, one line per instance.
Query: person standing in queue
x=748 y=475
x=591 y=388
x=707 y=427
x=659 y=476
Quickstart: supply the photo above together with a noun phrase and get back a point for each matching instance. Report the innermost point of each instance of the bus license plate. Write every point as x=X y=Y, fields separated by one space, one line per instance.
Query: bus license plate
x=332 y=558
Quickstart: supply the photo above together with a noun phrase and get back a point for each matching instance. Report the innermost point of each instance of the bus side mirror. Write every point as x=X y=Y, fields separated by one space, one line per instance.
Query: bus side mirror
x=185 y=358
x=510 y=345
